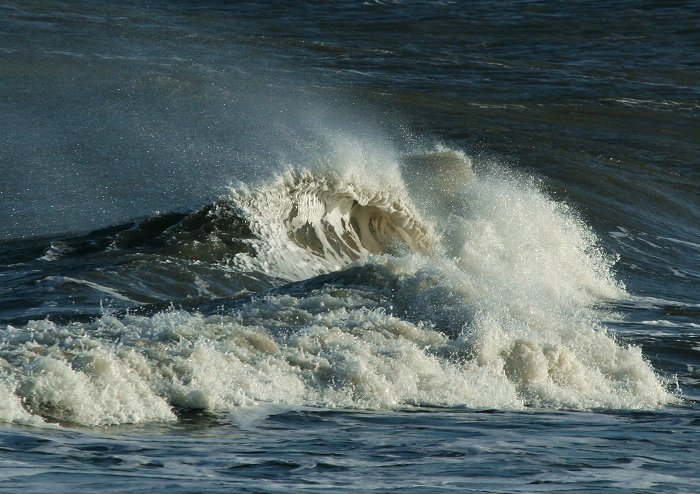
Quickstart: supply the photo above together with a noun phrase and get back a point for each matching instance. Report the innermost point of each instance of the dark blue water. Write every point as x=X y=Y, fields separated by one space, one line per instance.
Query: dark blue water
x=349 y=246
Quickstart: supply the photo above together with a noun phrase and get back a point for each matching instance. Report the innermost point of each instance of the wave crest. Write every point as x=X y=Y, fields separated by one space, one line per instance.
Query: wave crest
x=306 y=224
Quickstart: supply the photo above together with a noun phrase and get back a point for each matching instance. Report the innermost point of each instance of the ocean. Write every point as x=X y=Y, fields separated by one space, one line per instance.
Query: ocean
x=349 y=246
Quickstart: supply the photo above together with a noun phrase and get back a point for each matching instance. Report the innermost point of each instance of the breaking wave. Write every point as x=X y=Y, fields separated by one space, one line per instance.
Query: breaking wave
x=422 y=284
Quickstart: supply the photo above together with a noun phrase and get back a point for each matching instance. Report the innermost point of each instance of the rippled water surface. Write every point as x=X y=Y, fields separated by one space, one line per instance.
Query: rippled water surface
x=349 y=246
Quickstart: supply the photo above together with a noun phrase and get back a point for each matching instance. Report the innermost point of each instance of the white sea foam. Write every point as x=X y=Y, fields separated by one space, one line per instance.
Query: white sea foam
x=333 y=347
x=479 y=292
x=320 y=219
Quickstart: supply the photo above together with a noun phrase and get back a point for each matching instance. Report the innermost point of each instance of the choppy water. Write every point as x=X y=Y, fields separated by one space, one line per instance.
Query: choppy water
x=349 y=246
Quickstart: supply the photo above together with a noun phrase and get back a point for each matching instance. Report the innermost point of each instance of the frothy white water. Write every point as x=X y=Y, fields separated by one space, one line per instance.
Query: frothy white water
x=333 y=347
x=486 y=298
x=307 y=225
x=318 y=220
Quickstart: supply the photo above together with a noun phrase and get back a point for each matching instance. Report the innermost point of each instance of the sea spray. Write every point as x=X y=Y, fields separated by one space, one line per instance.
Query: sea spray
x=487 y=299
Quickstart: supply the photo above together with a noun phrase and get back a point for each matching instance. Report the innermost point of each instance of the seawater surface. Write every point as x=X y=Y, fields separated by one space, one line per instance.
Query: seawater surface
x=349 y=246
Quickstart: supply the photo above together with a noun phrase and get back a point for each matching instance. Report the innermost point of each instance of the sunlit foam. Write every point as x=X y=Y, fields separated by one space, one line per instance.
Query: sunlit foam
x=472 y=290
